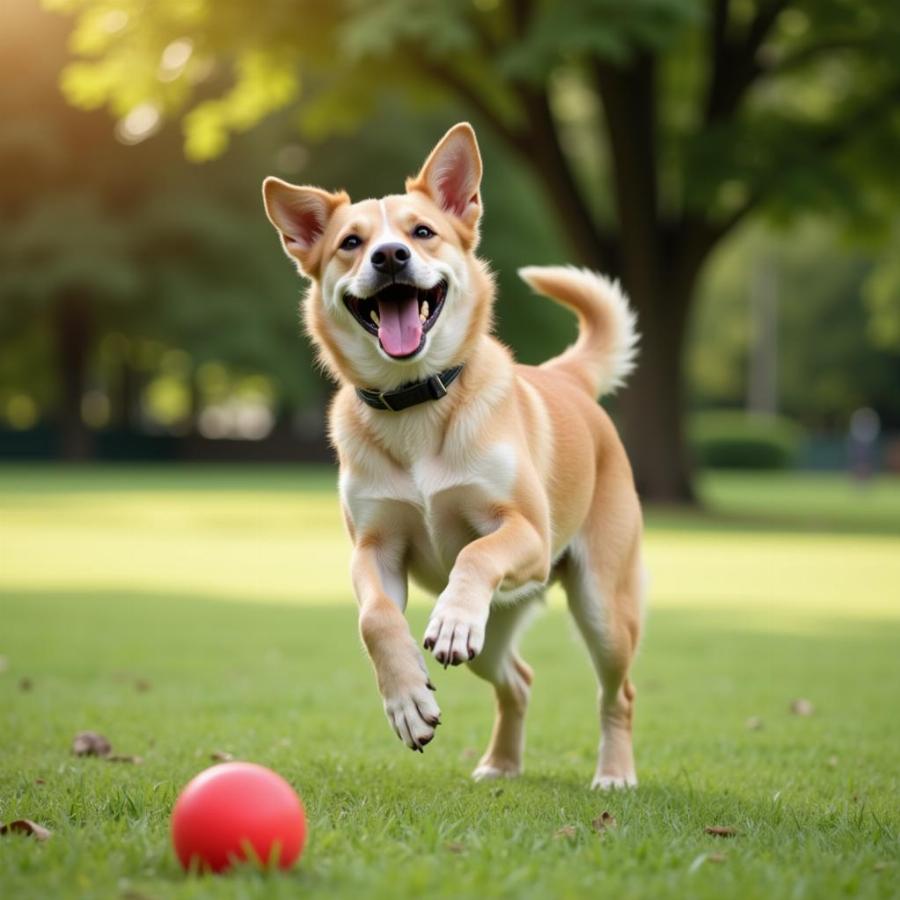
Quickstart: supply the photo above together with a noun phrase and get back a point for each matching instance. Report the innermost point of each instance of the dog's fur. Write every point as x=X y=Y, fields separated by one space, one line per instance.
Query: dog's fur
x=513 y=479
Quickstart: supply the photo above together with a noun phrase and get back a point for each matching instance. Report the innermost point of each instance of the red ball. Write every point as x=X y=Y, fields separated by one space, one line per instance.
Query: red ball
x=237 y=811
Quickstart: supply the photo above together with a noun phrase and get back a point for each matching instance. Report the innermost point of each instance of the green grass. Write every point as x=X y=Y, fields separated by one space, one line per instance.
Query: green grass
x=227 y=591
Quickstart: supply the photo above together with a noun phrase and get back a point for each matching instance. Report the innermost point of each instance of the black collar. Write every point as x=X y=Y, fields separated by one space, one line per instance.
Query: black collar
x=411 y=394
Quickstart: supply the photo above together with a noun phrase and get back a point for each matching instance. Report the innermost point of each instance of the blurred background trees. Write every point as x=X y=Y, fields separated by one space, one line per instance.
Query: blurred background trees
x=732 y=162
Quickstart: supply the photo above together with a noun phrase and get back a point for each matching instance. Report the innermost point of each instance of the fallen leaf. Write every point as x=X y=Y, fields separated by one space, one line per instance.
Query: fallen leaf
x=26 y=826
x=39 y=781
x=220 y=756
x=567 y=831
x=716 y=858
x=721 y=830
x=455 y=847
x=141 y=685
x=604 y=822
x=125 y=758
x=802 y=707
x=754 y=723
x=90 y=743
x=25 y=684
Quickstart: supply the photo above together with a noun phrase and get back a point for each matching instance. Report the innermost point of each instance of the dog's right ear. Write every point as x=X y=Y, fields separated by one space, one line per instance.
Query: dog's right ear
x=300 y=215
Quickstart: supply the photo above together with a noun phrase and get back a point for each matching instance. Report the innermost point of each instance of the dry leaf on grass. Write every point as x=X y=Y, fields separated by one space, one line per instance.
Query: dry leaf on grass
x=141 y=685
x=26 y=826
x=26 y=684
x=802 y=707
x=754 y=723
x=455 y=847
x=90 y=743
x=604 y=822
x=39 y=781
x=567 y=831
x=721 y=830
x=716 y=858
x=125 y=758
x=220 y=756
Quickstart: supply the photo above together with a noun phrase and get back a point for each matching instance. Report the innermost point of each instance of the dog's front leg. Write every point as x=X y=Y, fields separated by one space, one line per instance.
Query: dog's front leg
x=513 y=555
x=409 y=704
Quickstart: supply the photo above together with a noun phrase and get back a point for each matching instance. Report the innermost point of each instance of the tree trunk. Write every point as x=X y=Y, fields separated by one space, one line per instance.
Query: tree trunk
x=73 y=333
x=652 y=403
x=127 y=396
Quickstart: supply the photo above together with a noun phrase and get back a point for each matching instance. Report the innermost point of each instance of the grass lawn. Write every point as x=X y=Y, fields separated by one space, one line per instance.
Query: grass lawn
x=186 y=611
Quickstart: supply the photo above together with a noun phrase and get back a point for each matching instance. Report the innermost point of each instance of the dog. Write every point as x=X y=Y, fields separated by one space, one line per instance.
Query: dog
x=482 y=479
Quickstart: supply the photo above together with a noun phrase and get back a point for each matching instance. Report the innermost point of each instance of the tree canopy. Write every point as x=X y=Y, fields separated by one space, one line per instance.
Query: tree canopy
x=653 y=126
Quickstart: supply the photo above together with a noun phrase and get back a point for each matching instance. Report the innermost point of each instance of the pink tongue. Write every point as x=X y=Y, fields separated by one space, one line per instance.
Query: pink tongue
x=400 y=331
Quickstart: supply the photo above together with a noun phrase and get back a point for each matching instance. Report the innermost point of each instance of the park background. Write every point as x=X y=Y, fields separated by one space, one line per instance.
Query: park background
x=173 y=570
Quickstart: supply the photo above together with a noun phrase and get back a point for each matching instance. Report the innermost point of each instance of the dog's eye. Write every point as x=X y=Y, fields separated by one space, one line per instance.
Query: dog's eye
x=422 y=232
x=351 y=242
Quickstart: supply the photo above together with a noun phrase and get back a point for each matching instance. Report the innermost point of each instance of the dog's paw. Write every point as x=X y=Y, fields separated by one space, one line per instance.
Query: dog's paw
x=613 y=782
x=414 y=715
x=454 y=634
x=491 y=771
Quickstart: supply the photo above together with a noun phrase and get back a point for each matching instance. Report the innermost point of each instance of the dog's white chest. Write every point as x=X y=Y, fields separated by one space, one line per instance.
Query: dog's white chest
x=436 y=505
x=490 y=473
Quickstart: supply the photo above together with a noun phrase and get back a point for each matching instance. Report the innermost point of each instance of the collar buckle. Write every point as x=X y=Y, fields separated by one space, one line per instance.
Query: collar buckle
x=436 y=386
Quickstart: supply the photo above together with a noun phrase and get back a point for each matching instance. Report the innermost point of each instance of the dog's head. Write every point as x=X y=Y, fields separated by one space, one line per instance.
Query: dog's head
x=398 y=293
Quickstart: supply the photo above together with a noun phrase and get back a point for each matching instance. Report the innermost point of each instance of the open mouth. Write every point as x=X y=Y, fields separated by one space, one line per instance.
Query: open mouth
x=399 y=315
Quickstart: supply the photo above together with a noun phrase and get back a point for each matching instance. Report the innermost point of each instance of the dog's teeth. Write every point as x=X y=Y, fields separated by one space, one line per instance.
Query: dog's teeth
x=374 y=316
x=423 y=315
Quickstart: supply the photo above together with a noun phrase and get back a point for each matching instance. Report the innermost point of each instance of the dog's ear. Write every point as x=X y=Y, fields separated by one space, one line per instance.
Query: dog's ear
x=300 y=215
x=451 y=175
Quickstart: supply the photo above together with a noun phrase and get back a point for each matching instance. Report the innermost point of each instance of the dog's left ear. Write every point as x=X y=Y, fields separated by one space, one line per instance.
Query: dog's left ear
x=300 y=215
x=451 y=175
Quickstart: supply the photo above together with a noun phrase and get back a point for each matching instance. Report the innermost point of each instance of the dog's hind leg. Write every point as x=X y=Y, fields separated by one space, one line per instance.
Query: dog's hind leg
x=511 y=676
x=603 y=585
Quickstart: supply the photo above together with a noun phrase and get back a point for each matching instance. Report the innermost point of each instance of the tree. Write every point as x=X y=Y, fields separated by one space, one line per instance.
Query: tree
x=654 y=126
x=99 y=238
x=831 y=357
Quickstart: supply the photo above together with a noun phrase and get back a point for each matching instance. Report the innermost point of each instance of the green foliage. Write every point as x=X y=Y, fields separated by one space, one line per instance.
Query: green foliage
x=159 y=252
x=834 y=318
x=739 y=440
x=881 y=293
x=817 y=120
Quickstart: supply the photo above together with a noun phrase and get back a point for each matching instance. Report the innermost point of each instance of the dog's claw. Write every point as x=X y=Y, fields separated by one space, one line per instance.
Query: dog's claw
x=412 y=713
x=430 y=686
x=455 y=634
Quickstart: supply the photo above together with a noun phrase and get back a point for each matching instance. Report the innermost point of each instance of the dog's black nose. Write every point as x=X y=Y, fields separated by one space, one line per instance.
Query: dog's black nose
x=390 y=258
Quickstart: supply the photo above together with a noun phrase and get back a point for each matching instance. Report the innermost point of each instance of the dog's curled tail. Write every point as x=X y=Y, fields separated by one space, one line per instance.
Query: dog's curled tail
x=605 y=351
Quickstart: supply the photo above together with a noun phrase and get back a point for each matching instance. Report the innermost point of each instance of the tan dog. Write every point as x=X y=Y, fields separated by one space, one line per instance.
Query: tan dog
x=485 y=482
